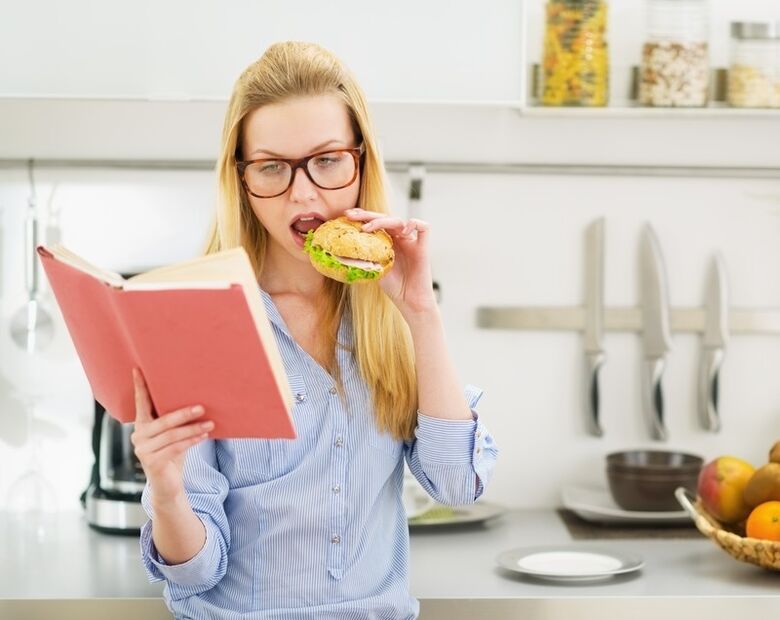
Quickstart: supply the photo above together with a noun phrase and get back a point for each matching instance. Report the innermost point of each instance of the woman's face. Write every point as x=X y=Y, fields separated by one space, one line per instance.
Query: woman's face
x=293 y=129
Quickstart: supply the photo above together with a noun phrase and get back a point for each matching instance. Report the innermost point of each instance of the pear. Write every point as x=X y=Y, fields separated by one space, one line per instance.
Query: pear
x=763 y=486
x=774 y=453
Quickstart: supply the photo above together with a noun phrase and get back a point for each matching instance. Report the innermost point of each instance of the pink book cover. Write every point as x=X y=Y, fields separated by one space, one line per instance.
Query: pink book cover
x=193 y=346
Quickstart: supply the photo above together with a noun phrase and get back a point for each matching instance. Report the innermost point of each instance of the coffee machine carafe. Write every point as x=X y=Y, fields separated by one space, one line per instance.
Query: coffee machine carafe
x=113 y=499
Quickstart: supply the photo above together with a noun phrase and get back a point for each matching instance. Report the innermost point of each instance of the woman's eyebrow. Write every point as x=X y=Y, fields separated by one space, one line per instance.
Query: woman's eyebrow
x=313 y=150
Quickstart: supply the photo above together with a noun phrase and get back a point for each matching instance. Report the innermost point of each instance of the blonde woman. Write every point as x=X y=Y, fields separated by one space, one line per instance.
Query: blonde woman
x=313 y=527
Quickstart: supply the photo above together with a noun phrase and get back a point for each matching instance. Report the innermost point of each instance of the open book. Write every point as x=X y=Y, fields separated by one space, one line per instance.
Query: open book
x=197 y=330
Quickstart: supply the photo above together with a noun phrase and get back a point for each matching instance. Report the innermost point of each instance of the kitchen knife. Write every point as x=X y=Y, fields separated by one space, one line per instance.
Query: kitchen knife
x=594 y=309
x=713 y=344
x=656 y=336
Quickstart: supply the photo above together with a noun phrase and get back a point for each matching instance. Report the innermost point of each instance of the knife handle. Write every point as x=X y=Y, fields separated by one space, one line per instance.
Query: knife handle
x=709 y=372
x=653 y=397
x=593 y=363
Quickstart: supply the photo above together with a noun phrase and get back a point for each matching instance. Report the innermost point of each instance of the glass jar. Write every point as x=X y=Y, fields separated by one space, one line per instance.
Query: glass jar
x=575 y=67
x=754 y=72
x=675 y=67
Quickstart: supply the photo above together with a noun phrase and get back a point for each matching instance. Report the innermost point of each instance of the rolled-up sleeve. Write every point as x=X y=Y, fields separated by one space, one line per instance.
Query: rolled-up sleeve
x=206 y=490
x=453 y=460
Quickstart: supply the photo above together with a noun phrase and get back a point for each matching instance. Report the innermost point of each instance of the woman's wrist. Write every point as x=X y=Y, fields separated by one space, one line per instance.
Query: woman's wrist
x=168 y=502
x=424 y=317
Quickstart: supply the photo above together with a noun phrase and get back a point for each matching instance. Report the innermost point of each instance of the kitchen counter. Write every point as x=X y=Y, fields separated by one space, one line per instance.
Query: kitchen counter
x=59 y=567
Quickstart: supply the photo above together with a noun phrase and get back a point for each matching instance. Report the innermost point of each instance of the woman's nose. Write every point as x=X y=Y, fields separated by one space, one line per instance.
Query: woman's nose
x=302 y=187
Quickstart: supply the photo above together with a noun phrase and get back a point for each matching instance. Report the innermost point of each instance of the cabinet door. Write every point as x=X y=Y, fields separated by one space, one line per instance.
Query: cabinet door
x=457 y=50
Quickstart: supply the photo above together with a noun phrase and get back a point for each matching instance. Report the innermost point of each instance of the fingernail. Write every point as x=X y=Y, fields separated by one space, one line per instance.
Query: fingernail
x=208 y=425
x=198 y=409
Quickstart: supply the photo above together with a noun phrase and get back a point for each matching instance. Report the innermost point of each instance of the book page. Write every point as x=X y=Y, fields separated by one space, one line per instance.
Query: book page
x=226 y=267
x=63 y=254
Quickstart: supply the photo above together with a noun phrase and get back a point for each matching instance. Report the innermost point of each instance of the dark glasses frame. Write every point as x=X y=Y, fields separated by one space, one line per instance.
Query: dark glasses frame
x=302 y=162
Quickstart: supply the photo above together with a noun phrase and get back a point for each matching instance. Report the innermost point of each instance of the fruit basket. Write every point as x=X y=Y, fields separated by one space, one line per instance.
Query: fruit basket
x=764 y=553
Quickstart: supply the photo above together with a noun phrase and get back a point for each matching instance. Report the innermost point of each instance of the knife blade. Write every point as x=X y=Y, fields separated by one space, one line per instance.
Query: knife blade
x=656 y=334
x=713 y=343
x=594 y=323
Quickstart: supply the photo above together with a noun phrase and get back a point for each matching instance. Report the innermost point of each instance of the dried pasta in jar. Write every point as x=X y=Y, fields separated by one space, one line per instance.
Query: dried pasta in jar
x=575 y=67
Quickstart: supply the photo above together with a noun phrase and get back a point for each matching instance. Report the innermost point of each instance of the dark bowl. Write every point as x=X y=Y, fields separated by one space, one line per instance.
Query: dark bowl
x=656 y=461
x=646 y=479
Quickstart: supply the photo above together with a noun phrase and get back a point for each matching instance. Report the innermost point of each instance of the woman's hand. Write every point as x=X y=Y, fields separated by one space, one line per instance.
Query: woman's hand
x=409 y=283
x=160 y=443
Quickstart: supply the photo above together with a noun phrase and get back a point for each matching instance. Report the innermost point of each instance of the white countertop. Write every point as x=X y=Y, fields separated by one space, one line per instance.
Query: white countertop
x=61 y=561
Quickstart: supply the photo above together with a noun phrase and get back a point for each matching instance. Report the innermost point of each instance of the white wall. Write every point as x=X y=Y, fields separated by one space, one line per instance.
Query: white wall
x=526 y=233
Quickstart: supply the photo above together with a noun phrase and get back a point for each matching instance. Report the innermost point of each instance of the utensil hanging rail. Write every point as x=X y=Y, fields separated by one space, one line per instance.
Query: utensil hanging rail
x=572 y=318
x=432 y=166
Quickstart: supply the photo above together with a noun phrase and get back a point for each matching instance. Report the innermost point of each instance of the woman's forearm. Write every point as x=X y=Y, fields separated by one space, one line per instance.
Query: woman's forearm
x=178 y=533
x=439 y=390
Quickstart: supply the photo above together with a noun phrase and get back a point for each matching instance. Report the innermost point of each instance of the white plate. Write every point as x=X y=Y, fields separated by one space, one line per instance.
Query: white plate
x=568 y=563
x=596 y=504
x=471 y=513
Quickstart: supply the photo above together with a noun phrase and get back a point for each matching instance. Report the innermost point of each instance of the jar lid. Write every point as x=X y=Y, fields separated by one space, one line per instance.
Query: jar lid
x=755 y=30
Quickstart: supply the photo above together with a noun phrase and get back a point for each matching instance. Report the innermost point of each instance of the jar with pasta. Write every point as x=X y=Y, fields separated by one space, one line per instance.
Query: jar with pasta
x=575 y=66
x=675 y=68
x=754 y=72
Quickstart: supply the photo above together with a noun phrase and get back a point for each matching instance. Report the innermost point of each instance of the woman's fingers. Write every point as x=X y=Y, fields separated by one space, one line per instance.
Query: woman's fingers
x=148 y=445
x=168 y=421
x=143 y=403
x=394 y=226
x=362 y=215
x=398 y=227
x=171 y=451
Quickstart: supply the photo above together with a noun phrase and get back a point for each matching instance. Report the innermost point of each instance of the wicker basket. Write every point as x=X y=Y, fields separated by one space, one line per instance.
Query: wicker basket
x=764 y=553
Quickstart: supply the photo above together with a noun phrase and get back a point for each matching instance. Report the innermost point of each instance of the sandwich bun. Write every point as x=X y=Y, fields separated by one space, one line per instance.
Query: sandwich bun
x=341 y=250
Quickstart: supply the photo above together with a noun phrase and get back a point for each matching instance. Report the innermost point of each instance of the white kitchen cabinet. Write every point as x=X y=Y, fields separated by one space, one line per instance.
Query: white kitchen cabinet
x=195 y=49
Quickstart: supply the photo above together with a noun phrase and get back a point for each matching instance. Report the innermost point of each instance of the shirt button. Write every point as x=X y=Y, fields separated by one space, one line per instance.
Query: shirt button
x=339 y=441
x=299 y=398
x=332 y=390
x=479 y=450
x=479 y=434
x=336 y=488
x=335 y=539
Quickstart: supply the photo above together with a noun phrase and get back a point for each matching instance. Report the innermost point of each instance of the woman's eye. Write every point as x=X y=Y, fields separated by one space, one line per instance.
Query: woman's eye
x=270 y=168
x=325 y=161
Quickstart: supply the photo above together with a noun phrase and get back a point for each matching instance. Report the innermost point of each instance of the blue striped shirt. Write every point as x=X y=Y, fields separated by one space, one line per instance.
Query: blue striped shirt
x=315 y=527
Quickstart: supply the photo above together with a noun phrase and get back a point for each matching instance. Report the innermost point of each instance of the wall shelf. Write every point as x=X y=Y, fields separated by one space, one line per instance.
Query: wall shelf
x=500 y=136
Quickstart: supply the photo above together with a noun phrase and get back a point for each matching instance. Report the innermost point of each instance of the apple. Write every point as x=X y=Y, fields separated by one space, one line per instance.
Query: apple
x=720 y=487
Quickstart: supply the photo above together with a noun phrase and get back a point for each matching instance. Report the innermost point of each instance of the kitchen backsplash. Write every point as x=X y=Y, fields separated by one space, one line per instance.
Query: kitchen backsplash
x=496 y=240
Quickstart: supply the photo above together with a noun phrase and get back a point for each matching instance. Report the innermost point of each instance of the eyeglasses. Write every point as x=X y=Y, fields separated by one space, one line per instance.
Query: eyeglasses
x=268 y=178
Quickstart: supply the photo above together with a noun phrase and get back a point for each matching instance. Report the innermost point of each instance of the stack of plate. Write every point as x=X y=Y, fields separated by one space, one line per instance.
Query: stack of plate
x=596 y=504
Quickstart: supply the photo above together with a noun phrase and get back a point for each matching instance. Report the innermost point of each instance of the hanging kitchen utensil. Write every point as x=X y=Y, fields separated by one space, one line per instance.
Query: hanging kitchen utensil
x=716 y=336
x=656 y=333
x=416 y=176
x=594 y=308
x=32 y=328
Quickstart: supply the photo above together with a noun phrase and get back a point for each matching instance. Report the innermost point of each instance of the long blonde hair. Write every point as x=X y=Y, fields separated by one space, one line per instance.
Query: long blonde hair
x=382 y=344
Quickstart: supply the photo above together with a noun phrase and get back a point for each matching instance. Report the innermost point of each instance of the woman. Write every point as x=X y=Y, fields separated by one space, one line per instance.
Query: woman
x=313 y=527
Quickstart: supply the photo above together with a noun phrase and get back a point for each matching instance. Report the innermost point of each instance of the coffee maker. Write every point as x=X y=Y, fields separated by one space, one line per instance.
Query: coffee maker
x=112 y=500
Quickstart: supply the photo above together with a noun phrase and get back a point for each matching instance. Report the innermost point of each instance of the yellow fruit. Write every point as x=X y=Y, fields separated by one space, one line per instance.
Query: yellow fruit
x=774 y=453
x=764 y=485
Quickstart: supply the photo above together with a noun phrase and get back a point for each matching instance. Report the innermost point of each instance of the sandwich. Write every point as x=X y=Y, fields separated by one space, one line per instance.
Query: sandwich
x=341 y=250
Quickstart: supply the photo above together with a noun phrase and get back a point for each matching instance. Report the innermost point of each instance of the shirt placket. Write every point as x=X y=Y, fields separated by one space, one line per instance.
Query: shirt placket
x=337 y=480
